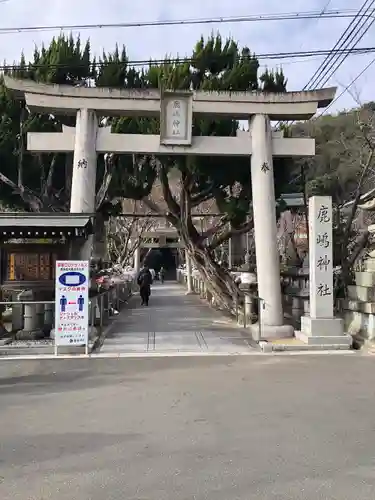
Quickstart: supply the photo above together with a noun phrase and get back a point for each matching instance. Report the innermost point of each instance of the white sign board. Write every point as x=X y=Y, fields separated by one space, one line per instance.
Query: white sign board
x=176 y=119
x=321 y=256
x=72 y=302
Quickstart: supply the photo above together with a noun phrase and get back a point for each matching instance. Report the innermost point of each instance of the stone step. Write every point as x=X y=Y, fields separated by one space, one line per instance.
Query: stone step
x=307 y=347
x=322 y=327
x=369 y=265
x=49 y=350
x=357 y=305
x=361 y=293
x=365 y=278
x=340 y=341
x=360 y=324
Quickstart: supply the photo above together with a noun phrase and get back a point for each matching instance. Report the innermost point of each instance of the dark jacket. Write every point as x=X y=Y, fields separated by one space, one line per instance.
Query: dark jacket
x=144 y=278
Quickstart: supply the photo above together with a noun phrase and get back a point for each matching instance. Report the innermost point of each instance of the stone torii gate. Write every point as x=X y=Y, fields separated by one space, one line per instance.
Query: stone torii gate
x=176 y=110
x=161 y=234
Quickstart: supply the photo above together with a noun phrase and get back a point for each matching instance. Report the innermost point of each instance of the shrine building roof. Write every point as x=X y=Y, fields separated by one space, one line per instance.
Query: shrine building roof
x=31 y=225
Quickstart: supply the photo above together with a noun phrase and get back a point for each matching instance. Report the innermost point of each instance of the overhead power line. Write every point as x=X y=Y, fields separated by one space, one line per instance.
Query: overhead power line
x=321 y=13
x=326 y=61
x=367 y=67
x=288 y=16
x=348 y=87
x=324 y=79
x=348 y=40
x=181 y=61
x=343 y=48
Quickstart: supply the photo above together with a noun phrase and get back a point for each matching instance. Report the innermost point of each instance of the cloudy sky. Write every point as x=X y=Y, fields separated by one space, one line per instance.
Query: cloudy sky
x=155 y=42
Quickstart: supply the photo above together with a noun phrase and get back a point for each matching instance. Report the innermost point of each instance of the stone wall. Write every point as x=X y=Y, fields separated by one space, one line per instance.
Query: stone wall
x=295 y=287
x=295 y=296
x=359 y=309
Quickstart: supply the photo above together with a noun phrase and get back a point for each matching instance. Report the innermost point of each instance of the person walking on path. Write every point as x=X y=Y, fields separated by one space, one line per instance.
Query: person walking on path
x=162 y=274
x=145 y=281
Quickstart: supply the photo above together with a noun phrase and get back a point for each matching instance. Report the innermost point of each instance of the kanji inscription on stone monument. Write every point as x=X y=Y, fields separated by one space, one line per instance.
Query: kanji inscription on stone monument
x=321 y=256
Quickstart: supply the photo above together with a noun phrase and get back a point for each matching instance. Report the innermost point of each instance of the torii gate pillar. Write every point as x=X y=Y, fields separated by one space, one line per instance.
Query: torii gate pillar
x=84 y=162
x=267 y=256
x=84 y=170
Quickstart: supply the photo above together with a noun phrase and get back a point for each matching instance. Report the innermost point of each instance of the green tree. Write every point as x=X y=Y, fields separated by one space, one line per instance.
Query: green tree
x=215 y=65
x=343 y=168
x=39 y=182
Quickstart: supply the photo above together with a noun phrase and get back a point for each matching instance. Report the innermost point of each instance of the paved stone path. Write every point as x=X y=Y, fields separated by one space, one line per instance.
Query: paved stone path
x=174 y=322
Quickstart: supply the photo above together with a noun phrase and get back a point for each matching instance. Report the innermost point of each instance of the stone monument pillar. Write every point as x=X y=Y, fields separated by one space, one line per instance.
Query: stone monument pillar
x=265 y=228
x=321 y=327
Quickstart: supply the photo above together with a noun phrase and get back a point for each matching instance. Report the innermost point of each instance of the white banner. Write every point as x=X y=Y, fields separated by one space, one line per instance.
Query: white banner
x=72 y=302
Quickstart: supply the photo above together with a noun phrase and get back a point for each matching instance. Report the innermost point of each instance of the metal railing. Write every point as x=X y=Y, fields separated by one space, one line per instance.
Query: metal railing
x=103 y=305
x=242 y=316
x=200 y=288
x=33 y=314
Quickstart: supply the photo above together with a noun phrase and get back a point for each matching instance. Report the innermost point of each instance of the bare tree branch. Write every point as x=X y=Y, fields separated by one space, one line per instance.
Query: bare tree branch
x=171 y=202
x=125 y=236
x=360 y=245
x=244 y=228
x=216 y=228
x=26 y=194
x=106 y=181
x=205 y=195
x=46 y=191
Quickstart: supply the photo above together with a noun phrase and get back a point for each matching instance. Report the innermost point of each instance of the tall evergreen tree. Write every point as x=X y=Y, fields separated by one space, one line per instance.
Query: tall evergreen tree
x=214 y=65
x=39 y=182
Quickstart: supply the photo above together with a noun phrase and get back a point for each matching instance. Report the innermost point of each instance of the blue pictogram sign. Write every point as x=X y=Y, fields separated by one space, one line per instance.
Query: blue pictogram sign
x=72 y=278
x=63 y=302
x=80 y=303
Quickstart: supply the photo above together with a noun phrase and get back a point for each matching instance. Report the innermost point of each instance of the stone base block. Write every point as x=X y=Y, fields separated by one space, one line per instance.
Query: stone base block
x=268 y=332
x=190 y=293
x=327 y=332
x=369 y=265
x=361 y=325
x=322 y=327
x=338 y=342
x=29 y=334
x=357 y=305
x=361 y=293
x=365 y=278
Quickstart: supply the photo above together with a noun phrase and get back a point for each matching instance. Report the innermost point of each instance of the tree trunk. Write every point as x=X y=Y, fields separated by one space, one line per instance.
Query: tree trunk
x=218 y=280
x=100 y=250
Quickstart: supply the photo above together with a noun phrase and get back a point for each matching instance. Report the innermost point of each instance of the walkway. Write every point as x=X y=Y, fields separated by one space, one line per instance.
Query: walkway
x=174 y=322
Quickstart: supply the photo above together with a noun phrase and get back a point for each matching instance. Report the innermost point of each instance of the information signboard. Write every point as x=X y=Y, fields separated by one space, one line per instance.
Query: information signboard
x=72 y=303
x=176 y=116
